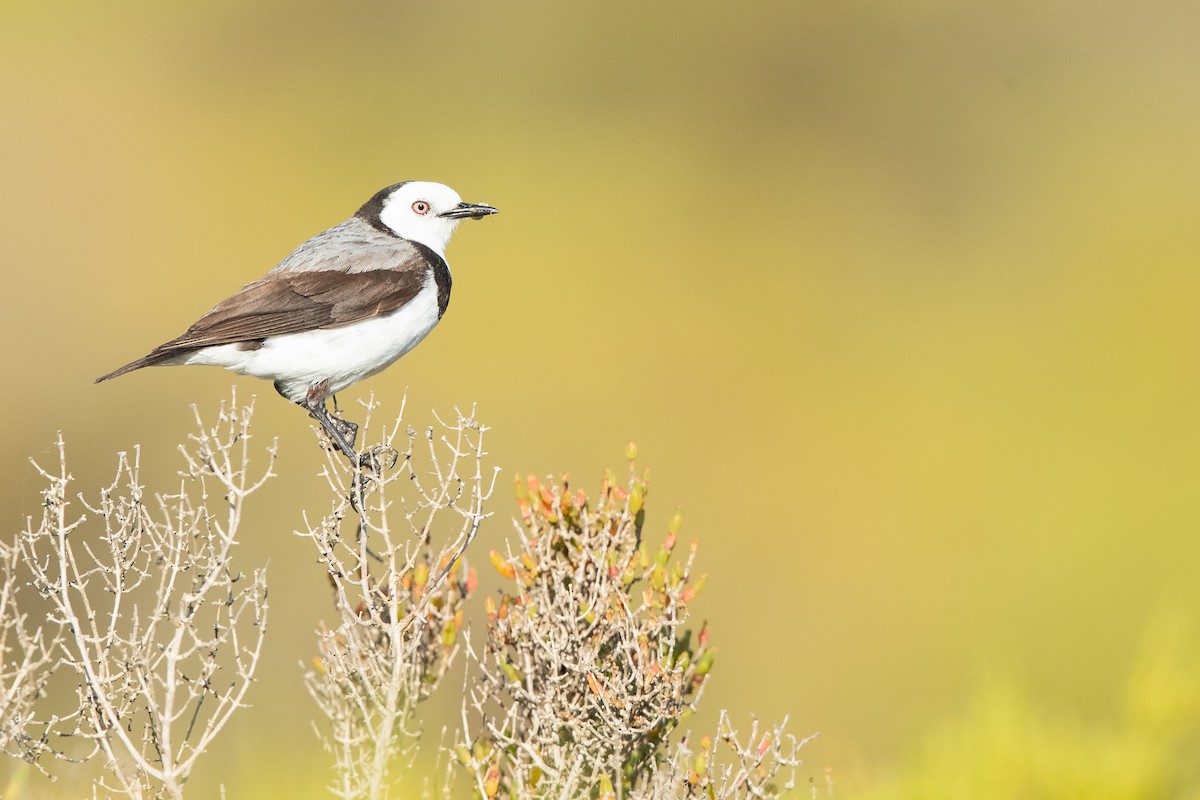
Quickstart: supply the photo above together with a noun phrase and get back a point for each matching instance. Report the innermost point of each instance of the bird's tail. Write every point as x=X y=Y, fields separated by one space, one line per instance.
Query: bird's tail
x=151 y=360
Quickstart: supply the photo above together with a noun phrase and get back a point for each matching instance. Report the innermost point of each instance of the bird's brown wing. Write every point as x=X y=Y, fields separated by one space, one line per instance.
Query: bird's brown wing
x=291 y=302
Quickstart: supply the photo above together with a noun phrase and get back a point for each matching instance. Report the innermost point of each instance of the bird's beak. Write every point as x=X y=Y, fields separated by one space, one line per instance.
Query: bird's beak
x=472 y=210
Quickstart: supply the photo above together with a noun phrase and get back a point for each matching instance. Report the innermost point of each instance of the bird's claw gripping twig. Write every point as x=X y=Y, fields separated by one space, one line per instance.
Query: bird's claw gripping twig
x=341 y=433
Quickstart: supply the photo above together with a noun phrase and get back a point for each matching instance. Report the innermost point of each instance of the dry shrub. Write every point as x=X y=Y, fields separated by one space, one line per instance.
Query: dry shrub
x=588 y=666
x=161 y=631
x=393 y=542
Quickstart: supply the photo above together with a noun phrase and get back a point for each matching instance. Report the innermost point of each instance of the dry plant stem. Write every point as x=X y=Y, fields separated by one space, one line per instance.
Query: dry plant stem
x=761 y=763
x=399 y=587
x=26 y=658
x=155 y=611
x=586 y=656
x=587 y=667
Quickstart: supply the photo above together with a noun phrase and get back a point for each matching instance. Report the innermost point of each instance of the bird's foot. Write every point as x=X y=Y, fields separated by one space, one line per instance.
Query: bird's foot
x=346 y=429
x=377 y=459
x=343 y=434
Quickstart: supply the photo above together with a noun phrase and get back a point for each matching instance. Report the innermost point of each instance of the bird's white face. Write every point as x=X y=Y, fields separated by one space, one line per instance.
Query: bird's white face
x=418 y=211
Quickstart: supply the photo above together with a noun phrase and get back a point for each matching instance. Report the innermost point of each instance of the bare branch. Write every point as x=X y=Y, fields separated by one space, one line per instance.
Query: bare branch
x=26 y=660
x=161 y=629
x=393 y=543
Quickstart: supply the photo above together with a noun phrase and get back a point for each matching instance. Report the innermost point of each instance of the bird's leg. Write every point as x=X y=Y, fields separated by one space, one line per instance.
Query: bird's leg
x=314 y=404
x=350 y=431
x=343 y=434
x=347 y=428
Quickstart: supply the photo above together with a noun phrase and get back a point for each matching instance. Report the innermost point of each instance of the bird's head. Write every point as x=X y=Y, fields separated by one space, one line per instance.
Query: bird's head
x=421 y=211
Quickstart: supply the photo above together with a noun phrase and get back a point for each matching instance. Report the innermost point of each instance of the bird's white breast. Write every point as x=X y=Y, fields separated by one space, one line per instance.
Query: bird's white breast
x=343 y=355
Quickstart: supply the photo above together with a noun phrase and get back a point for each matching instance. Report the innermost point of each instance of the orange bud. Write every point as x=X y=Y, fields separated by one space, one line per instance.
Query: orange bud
x=503 y=567
x=472 y=581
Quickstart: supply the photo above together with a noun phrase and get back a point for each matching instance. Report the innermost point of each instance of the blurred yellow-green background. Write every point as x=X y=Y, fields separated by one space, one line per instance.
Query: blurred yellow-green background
x=899 y=301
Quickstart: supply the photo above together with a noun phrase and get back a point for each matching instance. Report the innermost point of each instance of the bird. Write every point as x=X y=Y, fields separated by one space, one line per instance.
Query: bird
x=342 y=307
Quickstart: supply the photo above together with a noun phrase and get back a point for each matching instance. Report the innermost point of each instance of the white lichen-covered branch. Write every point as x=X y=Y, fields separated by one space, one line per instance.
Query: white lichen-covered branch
x=162 y=631
x=27 y=653
x=393 y=543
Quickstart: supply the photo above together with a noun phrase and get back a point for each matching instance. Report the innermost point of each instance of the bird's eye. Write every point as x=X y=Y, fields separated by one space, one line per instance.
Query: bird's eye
x=421 y=207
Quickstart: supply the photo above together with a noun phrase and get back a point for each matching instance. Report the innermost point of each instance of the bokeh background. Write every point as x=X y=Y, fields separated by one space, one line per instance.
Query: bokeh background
x=898 y=300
